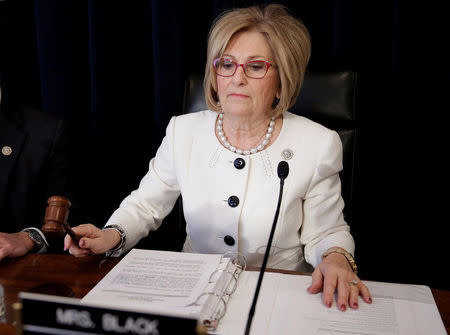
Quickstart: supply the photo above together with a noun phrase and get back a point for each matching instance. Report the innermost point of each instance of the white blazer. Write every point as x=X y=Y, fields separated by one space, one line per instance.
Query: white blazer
x=191 y=160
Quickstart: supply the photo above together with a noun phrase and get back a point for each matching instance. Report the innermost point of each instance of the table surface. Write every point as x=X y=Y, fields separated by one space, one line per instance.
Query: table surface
x=69 y=276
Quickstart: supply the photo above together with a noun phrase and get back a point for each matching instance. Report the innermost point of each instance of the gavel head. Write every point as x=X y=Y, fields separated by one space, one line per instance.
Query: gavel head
x=56 y=216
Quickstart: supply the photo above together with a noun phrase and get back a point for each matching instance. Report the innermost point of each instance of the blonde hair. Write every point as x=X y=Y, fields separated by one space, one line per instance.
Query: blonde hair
x=287 y=37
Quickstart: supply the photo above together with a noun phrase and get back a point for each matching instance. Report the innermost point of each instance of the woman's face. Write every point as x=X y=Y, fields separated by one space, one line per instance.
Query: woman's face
x=239 y=94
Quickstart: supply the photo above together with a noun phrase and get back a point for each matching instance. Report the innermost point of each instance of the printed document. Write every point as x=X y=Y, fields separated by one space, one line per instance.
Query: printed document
x=285 y=307
x=170 y=283
x=158 y=282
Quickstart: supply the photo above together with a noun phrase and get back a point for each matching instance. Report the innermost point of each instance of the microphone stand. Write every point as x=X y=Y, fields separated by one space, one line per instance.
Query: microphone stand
x=283 y=171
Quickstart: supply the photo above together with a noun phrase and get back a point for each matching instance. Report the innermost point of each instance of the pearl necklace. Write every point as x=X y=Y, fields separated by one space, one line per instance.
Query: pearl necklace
x=254 y=150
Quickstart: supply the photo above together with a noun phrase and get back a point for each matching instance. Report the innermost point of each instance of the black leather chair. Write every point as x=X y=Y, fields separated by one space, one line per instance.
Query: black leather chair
x=327 y=98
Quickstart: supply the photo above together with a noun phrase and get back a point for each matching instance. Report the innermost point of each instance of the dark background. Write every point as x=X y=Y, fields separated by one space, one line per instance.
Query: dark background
x=116 y=69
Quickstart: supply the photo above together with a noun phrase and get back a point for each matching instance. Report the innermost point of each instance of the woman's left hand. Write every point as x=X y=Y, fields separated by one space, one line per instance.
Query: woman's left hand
x=334 y=273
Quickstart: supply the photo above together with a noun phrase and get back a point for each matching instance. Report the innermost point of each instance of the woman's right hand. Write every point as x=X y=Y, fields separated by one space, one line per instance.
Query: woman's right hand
x=92 y=240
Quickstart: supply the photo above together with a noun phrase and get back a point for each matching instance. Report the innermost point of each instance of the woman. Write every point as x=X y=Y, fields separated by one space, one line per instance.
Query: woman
x=224 y=160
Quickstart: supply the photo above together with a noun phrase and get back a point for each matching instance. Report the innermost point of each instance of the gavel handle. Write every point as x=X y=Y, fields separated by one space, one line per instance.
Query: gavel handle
x=71 y=233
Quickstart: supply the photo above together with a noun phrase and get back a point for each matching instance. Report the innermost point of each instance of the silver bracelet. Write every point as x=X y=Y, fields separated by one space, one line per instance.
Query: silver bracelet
x=123 y=237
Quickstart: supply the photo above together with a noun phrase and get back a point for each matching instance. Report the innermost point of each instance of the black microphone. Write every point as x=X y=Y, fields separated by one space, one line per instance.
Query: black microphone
x=283 y=171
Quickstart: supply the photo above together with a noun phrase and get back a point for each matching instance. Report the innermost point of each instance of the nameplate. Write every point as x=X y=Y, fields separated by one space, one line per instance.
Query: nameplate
x=46 y=314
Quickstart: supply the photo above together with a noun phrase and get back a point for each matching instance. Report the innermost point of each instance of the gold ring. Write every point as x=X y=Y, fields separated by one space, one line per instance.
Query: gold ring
x=353 y=282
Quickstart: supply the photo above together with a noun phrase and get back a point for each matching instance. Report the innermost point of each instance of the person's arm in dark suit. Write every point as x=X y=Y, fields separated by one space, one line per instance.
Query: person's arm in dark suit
x=41 y=171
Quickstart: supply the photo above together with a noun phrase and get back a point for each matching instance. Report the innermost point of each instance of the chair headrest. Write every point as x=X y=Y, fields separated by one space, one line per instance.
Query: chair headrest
x=326 y=97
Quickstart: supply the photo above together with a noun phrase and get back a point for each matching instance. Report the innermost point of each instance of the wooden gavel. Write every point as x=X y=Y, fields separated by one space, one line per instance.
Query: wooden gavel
x=55 y=220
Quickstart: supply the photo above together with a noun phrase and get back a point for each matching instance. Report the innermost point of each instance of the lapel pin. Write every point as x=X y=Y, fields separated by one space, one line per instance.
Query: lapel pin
x=6 y=150
x=287 y=154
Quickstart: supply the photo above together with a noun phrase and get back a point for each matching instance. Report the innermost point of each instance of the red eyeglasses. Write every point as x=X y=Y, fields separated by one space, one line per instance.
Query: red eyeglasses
x=256 y=69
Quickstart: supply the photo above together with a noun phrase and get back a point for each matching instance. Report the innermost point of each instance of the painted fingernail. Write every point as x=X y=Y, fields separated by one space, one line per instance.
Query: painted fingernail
x=355 y=305
x=343 y=307
x=328 y=303
x=370 y=300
